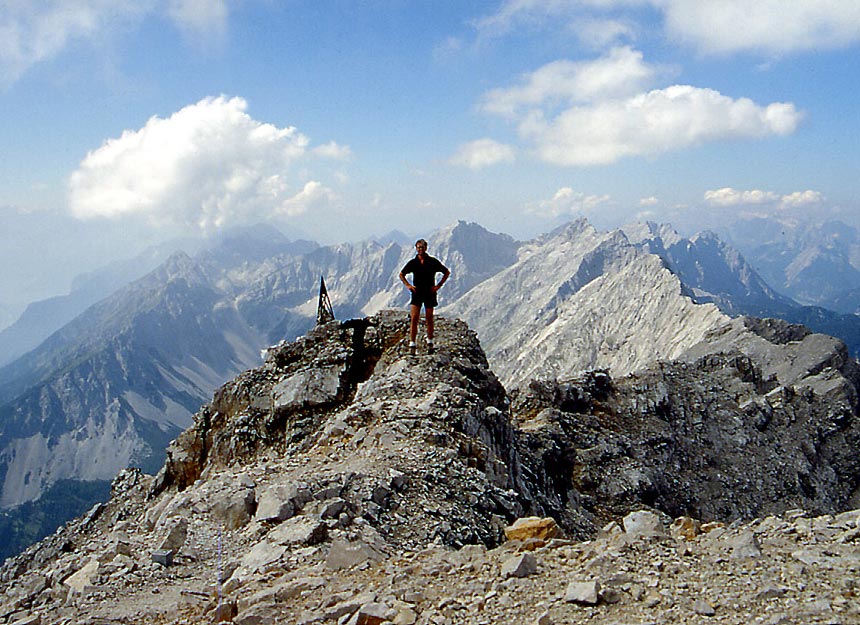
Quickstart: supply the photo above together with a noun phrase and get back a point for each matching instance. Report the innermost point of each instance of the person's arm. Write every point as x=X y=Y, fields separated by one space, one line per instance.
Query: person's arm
x=445 y=273
x=406 y=282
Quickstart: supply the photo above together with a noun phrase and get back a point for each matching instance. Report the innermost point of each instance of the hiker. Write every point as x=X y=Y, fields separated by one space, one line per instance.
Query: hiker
x=423 y=269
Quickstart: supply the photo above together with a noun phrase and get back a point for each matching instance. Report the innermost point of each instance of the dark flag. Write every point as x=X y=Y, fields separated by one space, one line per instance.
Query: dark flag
x=324 y=310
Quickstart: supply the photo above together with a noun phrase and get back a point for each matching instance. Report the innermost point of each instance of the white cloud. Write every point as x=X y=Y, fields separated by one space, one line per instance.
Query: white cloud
x=770 y=26
x=577 y=113
x=206 y=166
x=33 y=32
x=649 y=201
x=514 y=12
x=729 y=197
x=482 y=153
x=203 y=18
x=651 y=123
x=313 y=195
x=600 y=34
x=566 y=201
x=621 y=72
x=334 y=151
x=726 y=26
x=802 y=198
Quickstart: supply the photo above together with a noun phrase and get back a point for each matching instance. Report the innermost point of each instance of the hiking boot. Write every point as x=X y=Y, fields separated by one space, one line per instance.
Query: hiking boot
x=431 y=349
x=411 y=350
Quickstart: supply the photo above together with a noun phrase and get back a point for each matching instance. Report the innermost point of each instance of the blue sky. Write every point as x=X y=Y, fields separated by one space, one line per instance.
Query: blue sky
x=126 y=124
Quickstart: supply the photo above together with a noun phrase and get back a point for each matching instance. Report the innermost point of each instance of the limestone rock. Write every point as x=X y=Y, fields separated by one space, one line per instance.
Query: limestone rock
x=644 y=523
x=308 y=389
x=86 y=576
x=583 y=592
x=176 y=536
x=686 y=528
x=521 y=565
x=532 y=527
x=744 y=545
x=344 y=555
x=235 y=508
x=301 y=530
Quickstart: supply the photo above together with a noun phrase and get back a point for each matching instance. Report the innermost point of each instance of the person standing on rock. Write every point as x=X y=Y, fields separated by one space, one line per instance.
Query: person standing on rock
x=423 y=288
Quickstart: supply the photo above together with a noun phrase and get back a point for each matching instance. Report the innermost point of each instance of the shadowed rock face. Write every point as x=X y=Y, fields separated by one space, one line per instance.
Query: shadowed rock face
x=741 y=427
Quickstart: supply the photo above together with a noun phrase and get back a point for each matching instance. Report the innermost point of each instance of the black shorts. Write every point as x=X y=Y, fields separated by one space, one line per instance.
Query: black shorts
x=427 y=298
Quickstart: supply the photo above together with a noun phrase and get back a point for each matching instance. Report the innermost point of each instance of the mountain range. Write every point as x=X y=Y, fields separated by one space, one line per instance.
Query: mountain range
x=112 y=387
x=815 y=264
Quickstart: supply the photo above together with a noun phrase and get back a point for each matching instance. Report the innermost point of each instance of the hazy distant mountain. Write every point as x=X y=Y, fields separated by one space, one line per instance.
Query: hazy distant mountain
x=249 y=244
x=7 y=316
x=40 y=319
x=114 y=385
x=711 y=270
x=814 y=264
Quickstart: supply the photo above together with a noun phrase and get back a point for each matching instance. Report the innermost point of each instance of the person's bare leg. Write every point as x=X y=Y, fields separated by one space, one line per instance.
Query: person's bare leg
x=414 y=314
x=429 y=314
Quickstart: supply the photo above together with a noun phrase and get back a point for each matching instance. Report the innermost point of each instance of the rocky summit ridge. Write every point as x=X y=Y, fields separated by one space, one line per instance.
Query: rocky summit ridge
x=345 y=481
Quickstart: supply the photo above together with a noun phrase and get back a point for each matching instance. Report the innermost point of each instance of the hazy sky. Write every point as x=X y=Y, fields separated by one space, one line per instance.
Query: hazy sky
x=129 y=123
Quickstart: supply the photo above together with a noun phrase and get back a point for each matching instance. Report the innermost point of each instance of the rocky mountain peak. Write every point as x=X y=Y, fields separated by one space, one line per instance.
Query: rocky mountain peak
x=345 y=405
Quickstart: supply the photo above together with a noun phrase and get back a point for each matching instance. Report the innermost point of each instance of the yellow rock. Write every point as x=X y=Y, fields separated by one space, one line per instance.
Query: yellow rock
x=532 y=528
x=713 y=525
x=686 y=528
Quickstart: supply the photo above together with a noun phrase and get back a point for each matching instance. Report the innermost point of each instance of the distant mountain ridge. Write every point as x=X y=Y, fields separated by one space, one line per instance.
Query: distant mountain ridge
x=714 y=271
x=579 y=299
x=816 y=264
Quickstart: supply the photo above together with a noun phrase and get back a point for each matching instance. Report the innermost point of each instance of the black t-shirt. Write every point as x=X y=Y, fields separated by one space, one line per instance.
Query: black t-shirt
x=424 y=274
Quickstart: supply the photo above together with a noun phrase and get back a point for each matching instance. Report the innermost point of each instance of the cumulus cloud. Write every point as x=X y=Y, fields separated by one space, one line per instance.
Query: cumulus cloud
x=649 y=201
x=482 y=153
x=662 y=120
x=735 y=197
x=727 y=26
x=32 y=32
x=597 y=112
x=729 y=197
x=566 y=201
x=802 y=198
x=621 y=72
x=206 y=166
x=334 y=151
x=770 y=26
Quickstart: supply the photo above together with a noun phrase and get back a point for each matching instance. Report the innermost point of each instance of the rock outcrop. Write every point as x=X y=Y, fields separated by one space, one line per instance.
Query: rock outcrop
x=346 y=481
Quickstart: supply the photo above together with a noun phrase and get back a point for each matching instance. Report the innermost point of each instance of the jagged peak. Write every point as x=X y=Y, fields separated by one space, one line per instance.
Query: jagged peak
x=570 y=230
x=641 y=232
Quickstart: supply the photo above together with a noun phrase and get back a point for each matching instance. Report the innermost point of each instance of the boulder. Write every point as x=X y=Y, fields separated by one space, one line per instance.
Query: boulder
x=309 y=388
x=644 y=523
x=532 y=527
x=300 y=530
x=583 y=592
x=521 y=565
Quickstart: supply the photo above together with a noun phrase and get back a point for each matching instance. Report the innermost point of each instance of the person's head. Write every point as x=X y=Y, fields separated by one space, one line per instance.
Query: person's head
x=421 y=246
